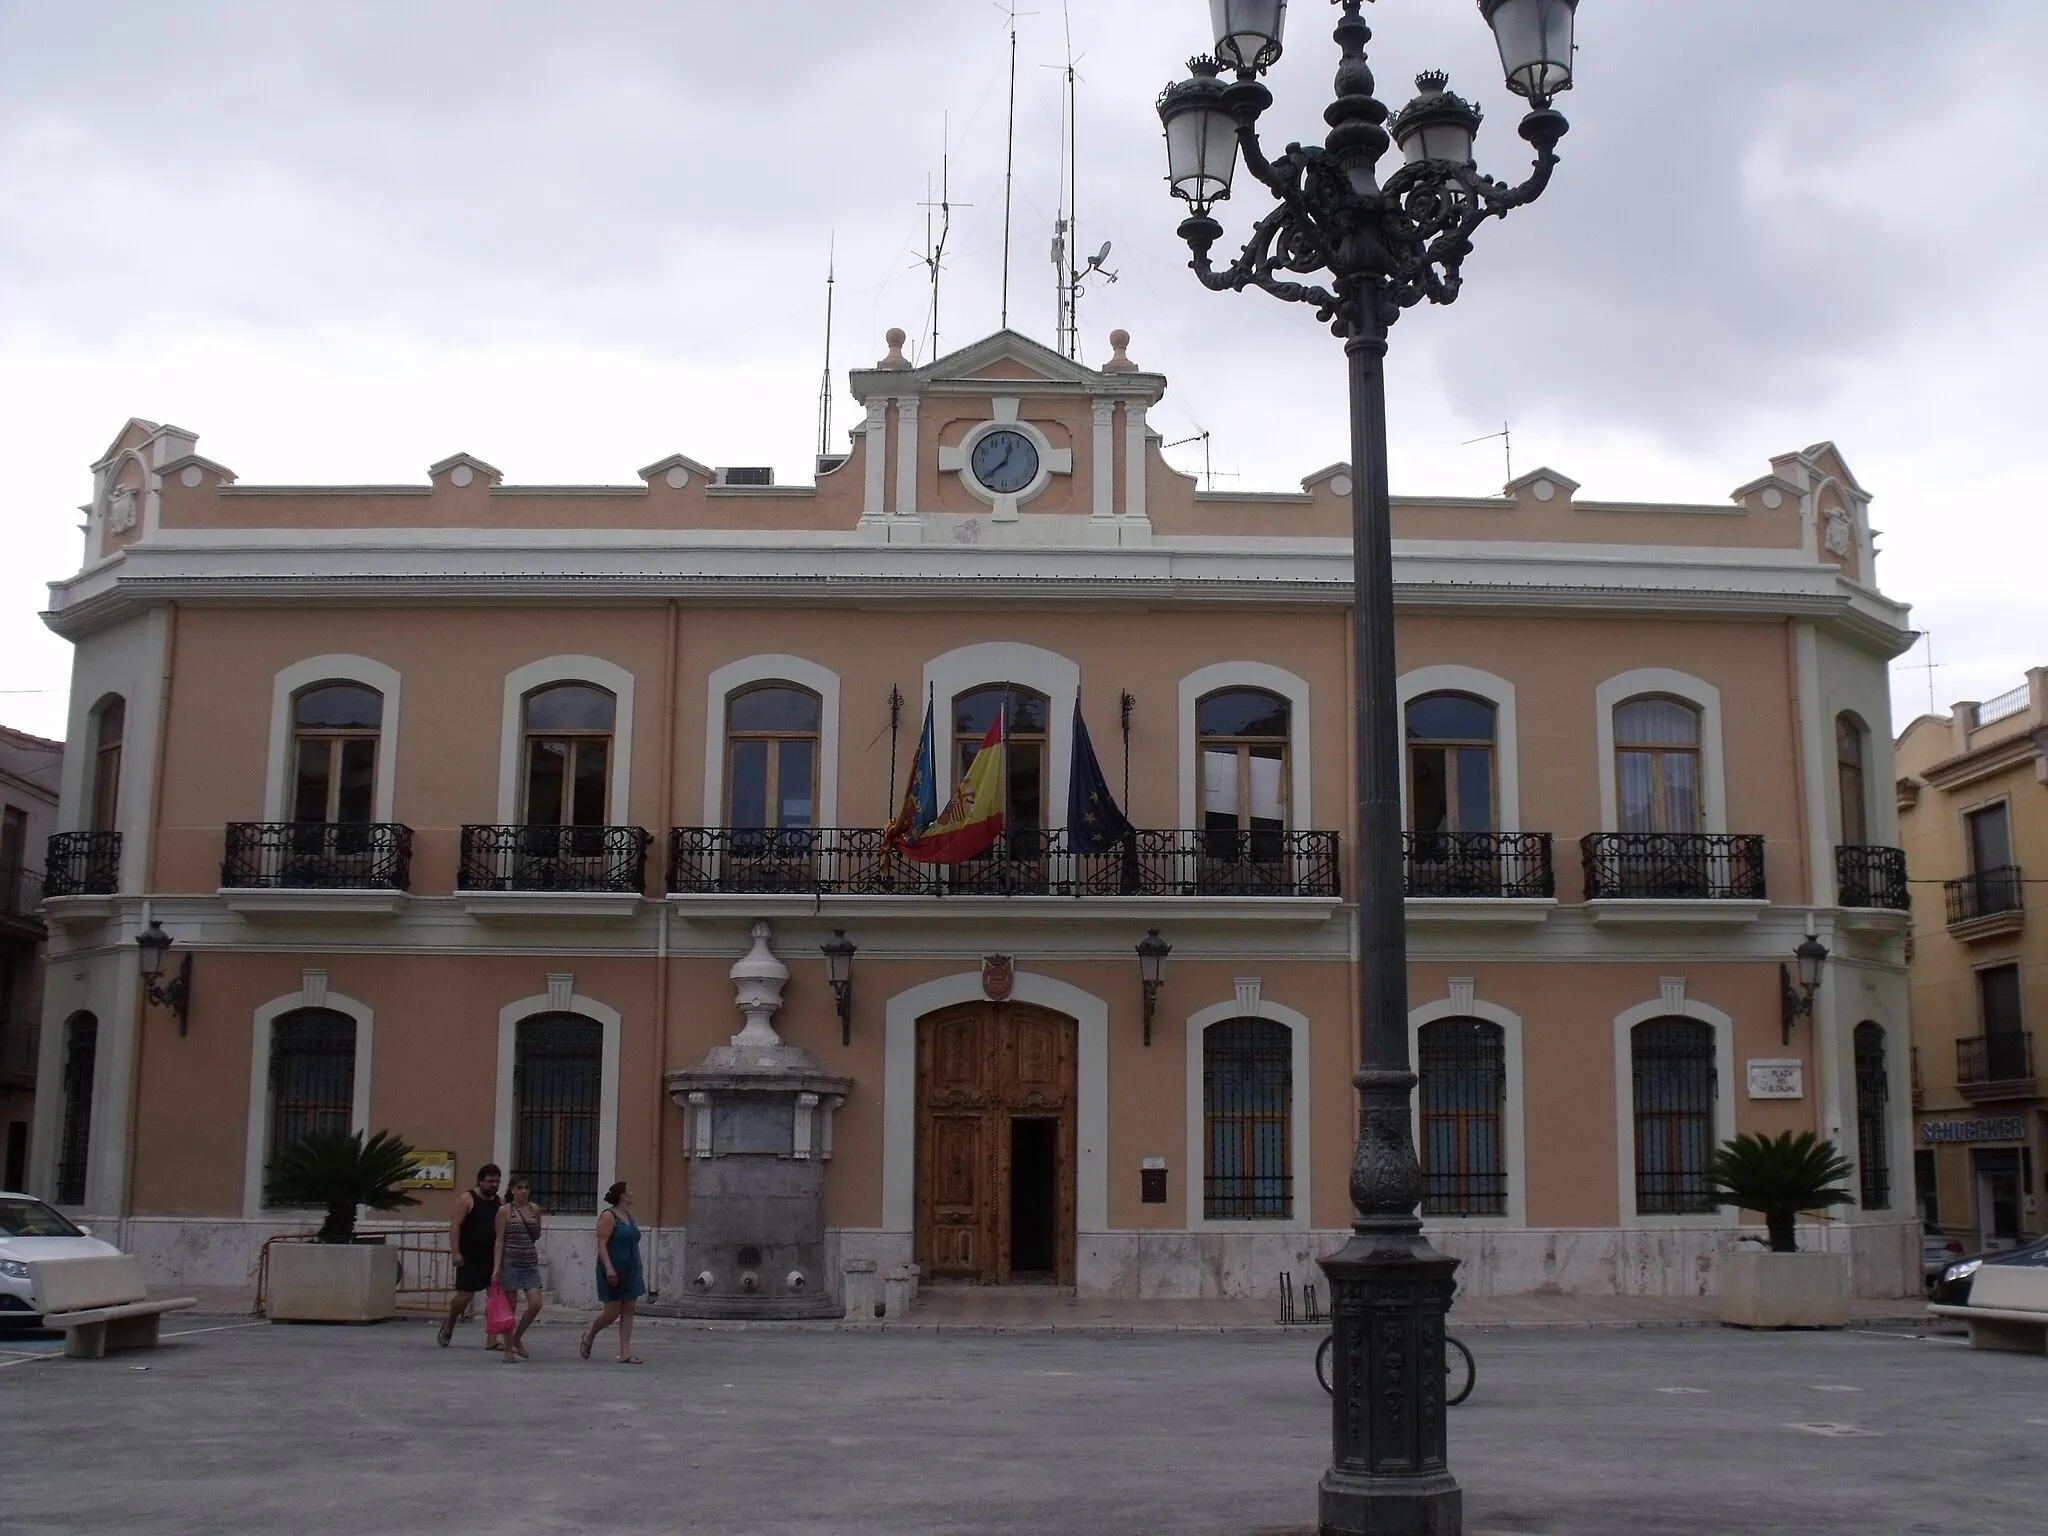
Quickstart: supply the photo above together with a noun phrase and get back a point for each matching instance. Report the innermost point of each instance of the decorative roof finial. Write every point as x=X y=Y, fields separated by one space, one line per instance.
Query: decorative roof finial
x=895 y=361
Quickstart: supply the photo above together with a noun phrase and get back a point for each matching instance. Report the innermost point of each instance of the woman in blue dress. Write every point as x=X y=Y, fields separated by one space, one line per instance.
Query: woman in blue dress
x=619 y=1285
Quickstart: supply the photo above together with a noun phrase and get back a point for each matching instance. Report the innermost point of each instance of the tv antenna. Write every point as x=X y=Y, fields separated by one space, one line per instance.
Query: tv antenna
x=1209 y=473
x=1507 y=445
x=1929 y=666
x=935 y=248
x=1066 y=231
x=1010 y=153
x=825 y=385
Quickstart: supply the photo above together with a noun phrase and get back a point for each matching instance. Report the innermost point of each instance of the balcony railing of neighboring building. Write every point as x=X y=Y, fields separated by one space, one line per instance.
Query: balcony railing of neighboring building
x=21 y=892
x=2006 y=1057
x=313 y=855
x=858 y=861
x=19 y=1039
x=1987 y=893
x=553 y=858
x=1673 y=866
x=1871 y=876
x=1481 y=864
x=82 y=864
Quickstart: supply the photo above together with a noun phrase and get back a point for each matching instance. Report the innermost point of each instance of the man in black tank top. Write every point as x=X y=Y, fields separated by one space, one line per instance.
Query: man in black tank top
x=472 y=1244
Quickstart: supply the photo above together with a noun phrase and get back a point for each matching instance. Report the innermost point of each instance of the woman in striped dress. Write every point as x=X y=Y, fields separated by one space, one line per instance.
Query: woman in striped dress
x=517 y=1270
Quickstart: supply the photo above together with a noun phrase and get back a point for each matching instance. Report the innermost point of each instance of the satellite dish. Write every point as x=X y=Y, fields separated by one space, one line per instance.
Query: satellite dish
x=1100 y=256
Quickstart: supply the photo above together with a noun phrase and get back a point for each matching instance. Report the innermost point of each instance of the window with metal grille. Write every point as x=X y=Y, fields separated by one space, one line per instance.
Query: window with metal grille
x=1674 y=1111
x=1247 y=1107
x=312 y=1077
x=1873 y=1091
x=81 y=1051
x=1463 y=1067
x=558 y=1060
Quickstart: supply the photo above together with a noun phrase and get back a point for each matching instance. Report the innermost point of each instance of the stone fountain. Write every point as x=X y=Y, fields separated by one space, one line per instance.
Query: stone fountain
x=758 y=1115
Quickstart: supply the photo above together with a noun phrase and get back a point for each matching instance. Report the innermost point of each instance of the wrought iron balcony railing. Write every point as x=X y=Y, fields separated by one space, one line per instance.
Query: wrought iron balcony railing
x=1478 y=864
x=21 y=891
x=320 y=856
x=857 y=861
x=1871 y=876
x=1987 y=893
x=551 y=858
x=82 y=864
x=2006 y=1057
x=1674 y=866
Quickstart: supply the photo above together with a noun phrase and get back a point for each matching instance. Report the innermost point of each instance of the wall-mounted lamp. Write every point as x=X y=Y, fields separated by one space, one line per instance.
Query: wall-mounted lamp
x=1797 y=1002
x=839 y=952
x=154 y=944
x=1152 y=953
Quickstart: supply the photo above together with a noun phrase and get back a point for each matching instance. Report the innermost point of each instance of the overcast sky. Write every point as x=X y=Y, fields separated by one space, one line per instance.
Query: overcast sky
x=341 y=242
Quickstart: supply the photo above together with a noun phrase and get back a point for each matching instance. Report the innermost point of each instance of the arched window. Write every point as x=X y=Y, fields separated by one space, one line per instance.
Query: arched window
x=312 y=1076
x=334 y=753
x=1247 y=1110
x=771 y=778
x=1849 y=781
x=1026 y=715
x=568 y=732
x=81 y=1056
x=1674 y=1113
x=1242 y=738
x=557 y=1072
x=109 y=726
x=1450 y=764
x=1463 y=1067
x=1873 y=1097
x=1657 y=765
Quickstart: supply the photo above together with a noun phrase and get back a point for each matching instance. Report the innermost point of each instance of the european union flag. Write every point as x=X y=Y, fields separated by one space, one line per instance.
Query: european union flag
x=1094 y=822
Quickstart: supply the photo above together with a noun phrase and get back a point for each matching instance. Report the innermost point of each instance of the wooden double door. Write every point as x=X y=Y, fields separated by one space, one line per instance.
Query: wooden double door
x=995 y=1145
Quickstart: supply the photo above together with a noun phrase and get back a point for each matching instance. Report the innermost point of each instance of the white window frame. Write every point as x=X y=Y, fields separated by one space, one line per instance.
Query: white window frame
x=510 y=1017
x=1703 y=696
x=1672 y=1005
x=313 y=993
x=955 y=672
x=285 y=689
x=751 y=671
x=1461 y=1004
x=1497 y=691
x=512 y=731
x=1299 y=1115
x=1224 y=675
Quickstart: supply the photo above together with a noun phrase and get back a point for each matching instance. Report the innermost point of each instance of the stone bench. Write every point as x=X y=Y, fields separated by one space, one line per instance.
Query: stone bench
x=2008 y=1309
x=100 y=1303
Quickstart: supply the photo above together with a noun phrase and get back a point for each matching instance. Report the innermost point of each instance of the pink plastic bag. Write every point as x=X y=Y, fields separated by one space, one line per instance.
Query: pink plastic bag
x=498 y=1316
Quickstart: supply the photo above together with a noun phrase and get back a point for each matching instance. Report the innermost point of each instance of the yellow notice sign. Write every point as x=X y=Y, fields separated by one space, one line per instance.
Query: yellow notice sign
x=431 y=1170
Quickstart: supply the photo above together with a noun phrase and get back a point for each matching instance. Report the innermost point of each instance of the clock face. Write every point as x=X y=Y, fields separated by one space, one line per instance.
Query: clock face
x=1005 y=462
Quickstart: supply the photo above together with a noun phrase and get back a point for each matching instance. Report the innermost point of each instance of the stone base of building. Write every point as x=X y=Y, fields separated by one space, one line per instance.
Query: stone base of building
x=1884 y=1257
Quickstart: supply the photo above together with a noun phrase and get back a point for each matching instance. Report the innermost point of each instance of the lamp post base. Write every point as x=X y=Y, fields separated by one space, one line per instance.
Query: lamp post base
x=1431 y=1505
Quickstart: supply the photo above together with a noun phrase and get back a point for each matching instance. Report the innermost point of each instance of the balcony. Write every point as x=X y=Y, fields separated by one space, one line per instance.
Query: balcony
x=1459 y=879
x=1985 y=904
x=1870 y=876
x=1999 y=1066
x=1674 y=877
x=21 y=897
x=811 y=862
x=19 y=1040
x=82 y=864
x=552 y=871
x=281 y=868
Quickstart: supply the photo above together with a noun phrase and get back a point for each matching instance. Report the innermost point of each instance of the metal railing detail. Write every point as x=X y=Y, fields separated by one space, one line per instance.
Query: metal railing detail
x=312 y=855
x=1987 y=893
x=857 y=861
x=2006 y=1057
x=1478 y=864
x=1871 y=876
x=21 y=891
x=552 y=858
x=82 y=864
x=1690 y=866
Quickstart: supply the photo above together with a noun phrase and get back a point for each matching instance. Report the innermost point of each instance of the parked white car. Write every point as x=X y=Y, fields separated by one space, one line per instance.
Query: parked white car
x=29 y=1229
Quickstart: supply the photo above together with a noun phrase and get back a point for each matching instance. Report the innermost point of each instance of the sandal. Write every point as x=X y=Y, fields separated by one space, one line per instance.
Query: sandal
x=631 y=1360
x=446 y=1333
x=583 y=1343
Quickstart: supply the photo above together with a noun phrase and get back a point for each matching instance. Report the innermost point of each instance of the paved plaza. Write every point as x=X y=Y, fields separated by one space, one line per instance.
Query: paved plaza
x=245 y=1426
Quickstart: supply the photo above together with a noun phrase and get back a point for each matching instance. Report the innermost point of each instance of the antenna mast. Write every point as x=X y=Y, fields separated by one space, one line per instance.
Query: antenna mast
x=934 y=254
x=1070 y=272
x=1507 y=445
x=825 y=386
x=1009 y=164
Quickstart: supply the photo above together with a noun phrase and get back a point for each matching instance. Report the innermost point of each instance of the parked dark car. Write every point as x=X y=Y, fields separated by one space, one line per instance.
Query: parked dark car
x=1953 y=1288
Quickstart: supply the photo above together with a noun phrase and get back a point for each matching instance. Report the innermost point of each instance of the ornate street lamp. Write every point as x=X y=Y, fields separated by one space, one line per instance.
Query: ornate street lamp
x=1812 y=958
x=152 y=946
x=1152 y=953
x=839 y=951
x=1361 y=252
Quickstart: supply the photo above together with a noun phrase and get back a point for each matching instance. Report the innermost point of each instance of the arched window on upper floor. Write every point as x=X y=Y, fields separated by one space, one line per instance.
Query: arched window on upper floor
x=1849 y=781
x=109 y=727
x=771 y=778
x=335 y=727
x=1243 y=738
x=1451 y=774
x=1027 y=722
x=567 y=730
x=1657 y=765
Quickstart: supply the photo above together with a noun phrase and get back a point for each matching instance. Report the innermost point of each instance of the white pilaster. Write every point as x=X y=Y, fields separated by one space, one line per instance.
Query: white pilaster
x=1134 y=458
x=906 y=457
x=875 y=432
x=1104 y=412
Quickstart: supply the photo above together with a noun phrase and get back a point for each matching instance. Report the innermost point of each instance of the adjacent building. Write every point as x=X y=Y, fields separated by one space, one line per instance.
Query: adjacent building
x=29 y=769
x=465 y=796
x=1973 y=818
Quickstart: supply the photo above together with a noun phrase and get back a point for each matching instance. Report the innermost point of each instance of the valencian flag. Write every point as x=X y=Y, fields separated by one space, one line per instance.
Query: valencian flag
x=972 y=819
x=1094 y=823
x=921 y=800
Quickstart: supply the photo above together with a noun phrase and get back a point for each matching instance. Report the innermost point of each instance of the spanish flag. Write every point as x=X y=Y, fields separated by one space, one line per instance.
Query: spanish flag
x=973 y=818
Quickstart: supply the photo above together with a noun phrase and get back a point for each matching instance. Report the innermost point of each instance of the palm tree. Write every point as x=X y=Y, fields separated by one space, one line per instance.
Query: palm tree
x=340 y=1171
x=1779 y=1176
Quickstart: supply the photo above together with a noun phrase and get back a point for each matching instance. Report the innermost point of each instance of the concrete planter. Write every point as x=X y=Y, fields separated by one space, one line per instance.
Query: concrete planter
x=331 y=1283
x=1784 y=1290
